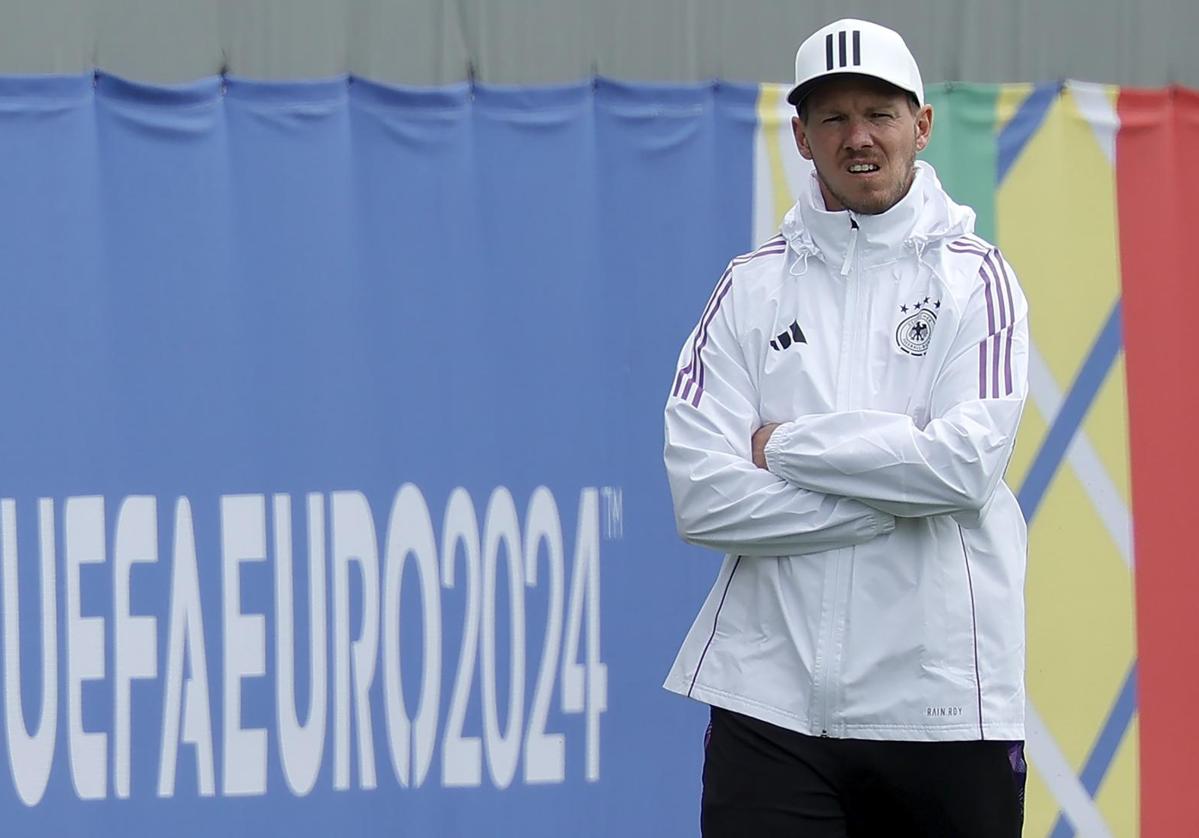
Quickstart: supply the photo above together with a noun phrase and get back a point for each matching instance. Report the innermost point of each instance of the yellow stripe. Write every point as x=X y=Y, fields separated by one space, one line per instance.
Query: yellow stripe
x=1011 y=97
x=771 y=119
x=1119 y=795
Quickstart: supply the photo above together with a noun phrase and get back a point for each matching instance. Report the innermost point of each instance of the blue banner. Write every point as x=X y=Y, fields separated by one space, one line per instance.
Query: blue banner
x=331 y=496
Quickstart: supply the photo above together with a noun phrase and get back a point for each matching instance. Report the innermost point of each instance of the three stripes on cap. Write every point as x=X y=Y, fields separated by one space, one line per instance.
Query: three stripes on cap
x=841 y=44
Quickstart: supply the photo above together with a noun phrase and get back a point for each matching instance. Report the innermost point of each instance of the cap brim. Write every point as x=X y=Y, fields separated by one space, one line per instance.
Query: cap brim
x=802 y=91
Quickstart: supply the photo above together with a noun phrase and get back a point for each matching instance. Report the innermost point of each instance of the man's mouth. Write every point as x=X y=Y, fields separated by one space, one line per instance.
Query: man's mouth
x=863 y=168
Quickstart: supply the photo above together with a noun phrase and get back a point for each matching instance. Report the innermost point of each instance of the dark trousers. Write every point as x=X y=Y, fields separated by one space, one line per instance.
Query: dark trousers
x=762 y=781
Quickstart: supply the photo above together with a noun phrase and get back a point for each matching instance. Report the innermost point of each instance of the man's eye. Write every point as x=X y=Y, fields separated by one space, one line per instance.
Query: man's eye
x=882 y=115
x=832 y=119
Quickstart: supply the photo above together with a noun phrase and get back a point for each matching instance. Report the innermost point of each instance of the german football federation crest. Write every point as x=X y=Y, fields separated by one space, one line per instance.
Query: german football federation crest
x=914 y=331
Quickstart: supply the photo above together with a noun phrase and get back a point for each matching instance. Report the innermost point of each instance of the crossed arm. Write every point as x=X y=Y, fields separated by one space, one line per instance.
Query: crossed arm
x=830 y=480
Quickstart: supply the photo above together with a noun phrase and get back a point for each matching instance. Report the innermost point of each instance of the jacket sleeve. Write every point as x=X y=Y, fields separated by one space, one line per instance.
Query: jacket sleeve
x=721 y=499
x=954 y=463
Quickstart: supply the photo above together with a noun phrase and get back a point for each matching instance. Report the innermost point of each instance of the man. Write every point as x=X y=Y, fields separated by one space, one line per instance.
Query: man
x=839 y=424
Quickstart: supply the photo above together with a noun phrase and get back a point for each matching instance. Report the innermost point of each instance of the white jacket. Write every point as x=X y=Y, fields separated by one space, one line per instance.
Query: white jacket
x=874 y=582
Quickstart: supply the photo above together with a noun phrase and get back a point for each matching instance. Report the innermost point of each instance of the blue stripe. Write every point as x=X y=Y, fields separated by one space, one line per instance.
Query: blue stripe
x=1105 y=748
x=1113 y=732
x=1063 y=828
x=1016 y=134
x=1074 y=409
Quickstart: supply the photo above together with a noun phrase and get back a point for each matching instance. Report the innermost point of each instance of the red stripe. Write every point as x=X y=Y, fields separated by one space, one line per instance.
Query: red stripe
x=1156 y=183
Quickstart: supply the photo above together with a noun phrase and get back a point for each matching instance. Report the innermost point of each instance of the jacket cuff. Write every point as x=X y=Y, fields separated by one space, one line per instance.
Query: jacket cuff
x=773 y=450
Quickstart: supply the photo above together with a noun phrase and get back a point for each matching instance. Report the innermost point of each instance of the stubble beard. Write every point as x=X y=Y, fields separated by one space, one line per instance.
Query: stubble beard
x=881 y=203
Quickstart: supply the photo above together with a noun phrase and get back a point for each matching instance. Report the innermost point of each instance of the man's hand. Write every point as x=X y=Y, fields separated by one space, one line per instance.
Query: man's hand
x=758 y=443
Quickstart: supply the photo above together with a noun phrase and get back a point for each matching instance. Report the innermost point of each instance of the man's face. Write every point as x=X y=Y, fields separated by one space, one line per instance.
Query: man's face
x=862 y=134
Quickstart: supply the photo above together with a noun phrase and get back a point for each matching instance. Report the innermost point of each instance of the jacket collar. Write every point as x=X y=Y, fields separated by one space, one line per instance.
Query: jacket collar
x=926 y=215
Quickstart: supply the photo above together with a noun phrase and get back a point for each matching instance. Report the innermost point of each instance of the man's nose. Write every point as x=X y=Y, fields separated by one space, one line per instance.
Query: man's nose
x=859 y=135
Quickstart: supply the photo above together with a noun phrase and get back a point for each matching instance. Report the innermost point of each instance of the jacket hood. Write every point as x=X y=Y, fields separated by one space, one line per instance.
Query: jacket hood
x=924 y=217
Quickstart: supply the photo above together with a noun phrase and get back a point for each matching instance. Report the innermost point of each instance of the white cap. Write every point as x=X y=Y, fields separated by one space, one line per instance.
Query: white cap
x=858 y=47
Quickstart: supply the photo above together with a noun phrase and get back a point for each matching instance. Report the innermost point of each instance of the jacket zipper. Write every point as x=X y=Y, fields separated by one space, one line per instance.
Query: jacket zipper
x=830 y=654
x=849 y=335
x=851 y=251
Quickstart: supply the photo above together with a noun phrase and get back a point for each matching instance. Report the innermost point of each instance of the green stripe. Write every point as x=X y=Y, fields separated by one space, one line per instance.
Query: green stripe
x=963 y=148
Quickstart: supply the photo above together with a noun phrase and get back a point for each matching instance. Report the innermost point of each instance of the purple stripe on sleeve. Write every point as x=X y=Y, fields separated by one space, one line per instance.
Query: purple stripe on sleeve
x=692 y=375
x=1007 y=284
x=990 y=304
x=996 y=288
x=698 y=375
x=678 y=381
x=998 y=285
x=982 y=369
x=771 y=252
x=701 y=340
x=995 y=364
x=745 y=257
x=765 y=250
x=701 y=368
x=701 y=332
x=958 y=247
x=1007 y=360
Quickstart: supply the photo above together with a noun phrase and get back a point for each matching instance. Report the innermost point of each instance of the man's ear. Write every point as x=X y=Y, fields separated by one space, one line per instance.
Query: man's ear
x=801 y=138
x=924 y=127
